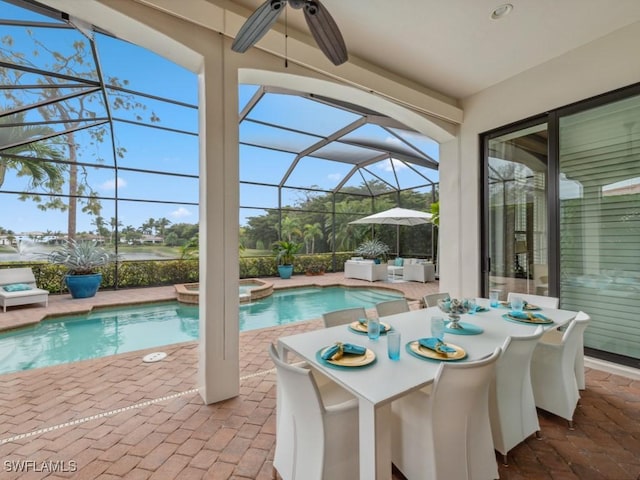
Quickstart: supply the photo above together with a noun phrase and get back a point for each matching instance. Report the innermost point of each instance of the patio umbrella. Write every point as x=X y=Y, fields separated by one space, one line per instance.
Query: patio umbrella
x=397 y=216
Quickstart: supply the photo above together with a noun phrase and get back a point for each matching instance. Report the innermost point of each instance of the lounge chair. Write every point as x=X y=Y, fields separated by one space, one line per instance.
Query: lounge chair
x=18 y=287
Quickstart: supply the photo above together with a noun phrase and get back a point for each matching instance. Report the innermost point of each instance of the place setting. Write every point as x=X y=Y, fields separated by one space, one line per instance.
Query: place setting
x=372 y=327
x=346 y=355
x=526 y=306
x=434 y=347
x=521 y=314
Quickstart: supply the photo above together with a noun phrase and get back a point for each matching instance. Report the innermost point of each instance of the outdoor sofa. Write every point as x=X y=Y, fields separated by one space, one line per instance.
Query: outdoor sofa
x=365 y=270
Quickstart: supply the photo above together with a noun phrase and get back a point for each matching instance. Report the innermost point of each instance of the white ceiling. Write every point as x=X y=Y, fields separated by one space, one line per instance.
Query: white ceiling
x=454 y=47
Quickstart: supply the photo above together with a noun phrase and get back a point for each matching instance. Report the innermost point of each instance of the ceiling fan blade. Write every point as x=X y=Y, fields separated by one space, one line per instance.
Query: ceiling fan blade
x=257 y=25
x=325 y=31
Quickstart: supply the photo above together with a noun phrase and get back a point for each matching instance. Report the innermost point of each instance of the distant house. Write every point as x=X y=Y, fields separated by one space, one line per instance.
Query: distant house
x=153 y=239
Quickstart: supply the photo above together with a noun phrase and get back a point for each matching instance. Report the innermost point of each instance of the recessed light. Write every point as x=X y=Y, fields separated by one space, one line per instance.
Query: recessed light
x=501 y=11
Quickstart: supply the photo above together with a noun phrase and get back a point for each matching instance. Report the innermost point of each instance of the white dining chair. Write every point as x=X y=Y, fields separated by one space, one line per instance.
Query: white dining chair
x=391 y=307
x=541 y=301
x=343 y=317
x=431 y=300
x=553 y=378
x=443 y=432
x=512 y=408
x=552 y=336
x=316 y=428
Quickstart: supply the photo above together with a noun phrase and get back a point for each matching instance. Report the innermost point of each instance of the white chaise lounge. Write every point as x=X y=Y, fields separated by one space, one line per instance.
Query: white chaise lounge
x=18 y=287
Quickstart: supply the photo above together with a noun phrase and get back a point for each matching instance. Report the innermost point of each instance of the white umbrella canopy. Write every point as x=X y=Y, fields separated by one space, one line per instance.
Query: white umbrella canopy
x=397 y=216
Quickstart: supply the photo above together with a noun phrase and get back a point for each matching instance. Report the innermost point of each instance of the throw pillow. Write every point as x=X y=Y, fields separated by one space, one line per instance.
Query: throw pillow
x=399 y=262
x=16 y=287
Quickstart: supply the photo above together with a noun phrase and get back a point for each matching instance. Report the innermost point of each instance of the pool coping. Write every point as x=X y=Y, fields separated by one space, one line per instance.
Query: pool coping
x=342 y=285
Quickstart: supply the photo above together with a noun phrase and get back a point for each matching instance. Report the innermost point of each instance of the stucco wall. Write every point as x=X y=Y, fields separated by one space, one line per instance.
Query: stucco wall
x=601 y=66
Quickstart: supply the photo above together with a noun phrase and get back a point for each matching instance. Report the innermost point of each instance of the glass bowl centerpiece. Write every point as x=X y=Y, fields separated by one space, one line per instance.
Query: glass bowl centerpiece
x=454 y=308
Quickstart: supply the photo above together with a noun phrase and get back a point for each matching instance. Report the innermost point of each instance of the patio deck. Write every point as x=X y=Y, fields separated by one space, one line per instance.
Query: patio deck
x=118 y=417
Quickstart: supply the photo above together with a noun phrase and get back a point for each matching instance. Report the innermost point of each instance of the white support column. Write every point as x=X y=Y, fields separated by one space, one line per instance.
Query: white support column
x=450 y=229
x=219 y=367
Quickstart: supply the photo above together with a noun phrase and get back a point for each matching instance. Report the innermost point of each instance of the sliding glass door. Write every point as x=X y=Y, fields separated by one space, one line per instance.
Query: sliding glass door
x=561 y=215
x=599 y=161
x=516 y=237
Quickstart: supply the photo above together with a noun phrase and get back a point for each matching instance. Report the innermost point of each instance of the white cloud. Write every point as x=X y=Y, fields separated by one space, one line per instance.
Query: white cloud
x=335 y=176
x=386 y=166
x=394 y=140
x=111 y=184
x=181 y=212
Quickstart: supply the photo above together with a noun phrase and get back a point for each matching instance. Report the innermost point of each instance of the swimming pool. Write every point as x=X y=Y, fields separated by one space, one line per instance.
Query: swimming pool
x=292 y=305
x=108 y=331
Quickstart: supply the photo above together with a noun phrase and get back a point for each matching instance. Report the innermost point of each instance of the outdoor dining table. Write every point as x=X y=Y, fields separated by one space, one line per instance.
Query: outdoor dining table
x=376 y=385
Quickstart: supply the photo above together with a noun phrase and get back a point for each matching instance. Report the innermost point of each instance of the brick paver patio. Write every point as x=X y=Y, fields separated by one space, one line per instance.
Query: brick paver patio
x=118 y=417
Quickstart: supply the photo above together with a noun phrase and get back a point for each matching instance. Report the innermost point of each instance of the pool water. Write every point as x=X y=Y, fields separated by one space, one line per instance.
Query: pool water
x=292 y=305
x=108 y=331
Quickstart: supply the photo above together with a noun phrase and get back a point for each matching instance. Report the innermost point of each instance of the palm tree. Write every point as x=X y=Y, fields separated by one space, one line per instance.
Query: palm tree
x=190 y=249
x=114 y=224
x=27 y=156
x=289 y=228
x=311 y=232
x=131 y=234
x=347 y=236
x=148 y=226
x=100 y=225
x=161 y=224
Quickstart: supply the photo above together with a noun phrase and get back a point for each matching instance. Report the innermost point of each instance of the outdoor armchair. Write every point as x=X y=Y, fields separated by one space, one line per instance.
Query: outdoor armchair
x=18 y=287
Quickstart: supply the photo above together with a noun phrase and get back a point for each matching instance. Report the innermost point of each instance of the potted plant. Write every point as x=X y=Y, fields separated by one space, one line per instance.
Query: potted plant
x=82 y=260
x=315 y=268
x=285 y=250
x=373 y=249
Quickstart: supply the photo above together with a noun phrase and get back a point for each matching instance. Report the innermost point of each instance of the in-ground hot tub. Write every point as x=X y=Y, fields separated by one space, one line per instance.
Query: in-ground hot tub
x=254 y=289
x=250 y=289
x=188 y=292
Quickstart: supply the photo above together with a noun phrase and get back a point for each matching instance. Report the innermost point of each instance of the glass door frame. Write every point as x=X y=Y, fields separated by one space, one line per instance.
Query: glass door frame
x=485 y=260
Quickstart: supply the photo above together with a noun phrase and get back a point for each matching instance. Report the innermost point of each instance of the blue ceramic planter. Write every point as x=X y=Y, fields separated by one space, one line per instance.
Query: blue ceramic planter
x=285 y=271
x=83 y=286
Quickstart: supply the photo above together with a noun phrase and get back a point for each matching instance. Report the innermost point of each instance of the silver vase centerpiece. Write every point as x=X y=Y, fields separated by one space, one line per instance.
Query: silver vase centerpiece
x=454 y=308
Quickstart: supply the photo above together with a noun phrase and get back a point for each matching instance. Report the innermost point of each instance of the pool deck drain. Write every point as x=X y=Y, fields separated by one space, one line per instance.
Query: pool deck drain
x=154 y=357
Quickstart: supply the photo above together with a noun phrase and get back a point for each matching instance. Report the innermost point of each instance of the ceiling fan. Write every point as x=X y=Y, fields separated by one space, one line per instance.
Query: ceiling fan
x=322 y=26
